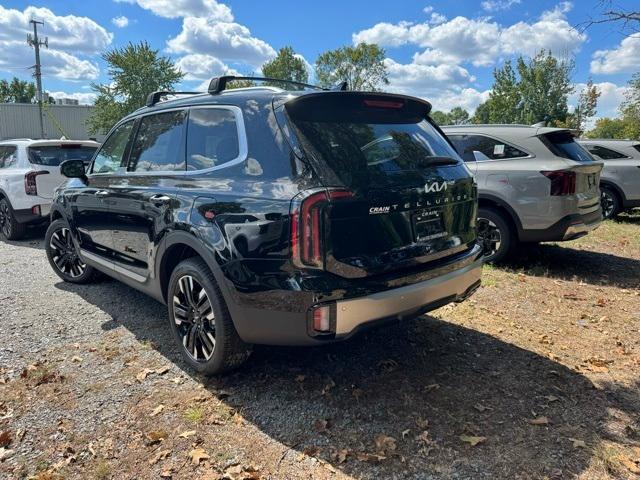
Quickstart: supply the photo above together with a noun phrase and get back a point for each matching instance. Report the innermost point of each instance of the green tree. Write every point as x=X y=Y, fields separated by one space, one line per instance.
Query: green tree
x=362 y=67
x=17 y=91
x=457 y=116
x=630 y=108
x=608 y=128
x=286 y=66
x=586 y=108
x=536 y=90
x=135 y=71
x=441 y=118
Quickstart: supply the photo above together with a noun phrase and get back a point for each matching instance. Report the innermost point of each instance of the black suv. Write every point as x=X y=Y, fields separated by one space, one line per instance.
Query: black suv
x=266 y=216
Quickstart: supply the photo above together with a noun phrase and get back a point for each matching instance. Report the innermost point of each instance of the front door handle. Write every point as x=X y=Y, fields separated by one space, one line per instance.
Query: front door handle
x=160 y=199
x=102 y=193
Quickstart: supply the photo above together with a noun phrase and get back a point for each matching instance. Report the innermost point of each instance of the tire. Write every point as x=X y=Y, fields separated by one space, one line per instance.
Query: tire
x=611 y=203
x=63 y=255
x=495 y=235
x=204 y=332
x=10 y=228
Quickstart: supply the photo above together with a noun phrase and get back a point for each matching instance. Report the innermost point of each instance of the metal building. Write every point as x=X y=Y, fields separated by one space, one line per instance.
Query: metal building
x=20 y=120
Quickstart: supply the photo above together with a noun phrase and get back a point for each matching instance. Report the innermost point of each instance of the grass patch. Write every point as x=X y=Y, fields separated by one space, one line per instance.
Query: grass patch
x=102 y=471
x=194 y=414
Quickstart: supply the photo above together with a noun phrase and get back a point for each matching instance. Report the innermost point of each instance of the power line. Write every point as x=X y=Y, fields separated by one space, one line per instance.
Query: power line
x=35 y=42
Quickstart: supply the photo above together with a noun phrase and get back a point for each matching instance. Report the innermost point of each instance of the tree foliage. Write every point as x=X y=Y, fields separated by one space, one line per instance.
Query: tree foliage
x=287 y=66
x=535 y=90
x=457 y=116
x=586 y=108
x=628 y=124
x=17 y=91
x=362 y=67
x=135 y=71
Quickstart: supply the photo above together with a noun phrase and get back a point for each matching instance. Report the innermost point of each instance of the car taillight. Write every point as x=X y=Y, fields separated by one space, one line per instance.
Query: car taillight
x=563 y=182
x=306 y=227
x=30 y=186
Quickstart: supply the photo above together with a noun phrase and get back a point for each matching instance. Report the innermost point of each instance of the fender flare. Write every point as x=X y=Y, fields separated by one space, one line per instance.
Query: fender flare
x=504 y=205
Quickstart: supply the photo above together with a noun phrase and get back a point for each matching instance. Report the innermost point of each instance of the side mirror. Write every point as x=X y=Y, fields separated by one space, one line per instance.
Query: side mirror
x=73 y=169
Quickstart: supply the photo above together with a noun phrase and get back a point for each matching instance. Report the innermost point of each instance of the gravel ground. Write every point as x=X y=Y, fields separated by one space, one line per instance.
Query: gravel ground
x=536 y=377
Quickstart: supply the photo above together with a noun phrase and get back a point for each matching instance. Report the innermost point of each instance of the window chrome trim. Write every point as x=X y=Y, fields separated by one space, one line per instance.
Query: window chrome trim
x=243 y=147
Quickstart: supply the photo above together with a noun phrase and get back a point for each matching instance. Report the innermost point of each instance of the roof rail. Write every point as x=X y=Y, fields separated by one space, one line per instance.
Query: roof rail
x=219 y=84
x=155 y=97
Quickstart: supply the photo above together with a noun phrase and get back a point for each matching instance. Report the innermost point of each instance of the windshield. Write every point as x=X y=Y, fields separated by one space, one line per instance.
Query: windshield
x=563 y=145
x=54 y=155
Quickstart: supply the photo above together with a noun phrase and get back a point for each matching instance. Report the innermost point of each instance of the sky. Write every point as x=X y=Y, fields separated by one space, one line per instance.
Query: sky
x=444 y=52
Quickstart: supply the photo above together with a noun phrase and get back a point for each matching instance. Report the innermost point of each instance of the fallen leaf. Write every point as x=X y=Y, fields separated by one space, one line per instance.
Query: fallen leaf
x=5 y=438
x=629 y=464
x=385 y=444
x=405 y=433
x=144 y=374
x=5 y=453
x=341 y=455
x=481 y=408
x=187 y=434
x=539 y=421
x=369 y=457
x=166 y=473
x=162 y=370
x=311 y=451
x=159 y=456
x=424 y=437
x=155 y=436
x=472 y=440
x=198 y=454
x=76 y=359
x=157 y=411
x=551 y=398
x=578 y=443
x=422 y=423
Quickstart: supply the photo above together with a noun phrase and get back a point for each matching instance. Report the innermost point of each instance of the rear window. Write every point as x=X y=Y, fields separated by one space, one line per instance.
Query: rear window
x=562 y=144
x=54 y=155
x=605 y=153
x=366 y=153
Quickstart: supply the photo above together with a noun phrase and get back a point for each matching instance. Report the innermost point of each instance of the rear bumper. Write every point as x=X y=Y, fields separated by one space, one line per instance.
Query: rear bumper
x=35 y=214
x=567 y=228
x=287 y=320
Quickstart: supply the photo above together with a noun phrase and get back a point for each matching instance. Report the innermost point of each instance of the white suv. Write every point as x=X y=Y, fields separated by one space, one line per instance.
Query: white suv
x=29 y=173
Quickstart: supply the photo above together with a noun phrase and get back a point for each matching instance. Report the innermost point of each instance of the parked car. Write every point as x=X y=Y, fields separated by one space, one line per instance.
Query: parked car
x=29 y=172
x=620 y=178
x=535 y=184
x=259 y=217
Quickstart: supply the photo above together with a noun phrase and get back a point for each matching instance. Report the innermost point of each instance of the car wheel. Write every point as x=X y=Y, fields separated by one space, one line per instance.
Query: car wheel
x=200 y=321
x=10 y=228
x=610 y=202
x=494 y=235
x=63 y=255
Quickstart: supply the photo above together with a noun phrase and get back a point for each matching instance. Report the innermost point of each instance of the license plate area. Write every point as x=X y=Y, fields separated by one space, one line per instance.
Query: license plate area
x=428 y=225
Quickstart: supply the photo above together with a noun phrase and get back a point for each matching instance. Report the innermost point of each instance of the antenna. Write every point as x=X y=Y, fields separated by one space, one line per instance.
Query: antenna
x=33 y=41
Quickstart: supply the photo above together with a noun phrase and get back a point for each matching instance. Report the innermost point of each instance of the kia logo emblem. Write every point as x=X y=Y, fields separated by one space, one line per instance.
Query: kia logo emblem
x=435 y=187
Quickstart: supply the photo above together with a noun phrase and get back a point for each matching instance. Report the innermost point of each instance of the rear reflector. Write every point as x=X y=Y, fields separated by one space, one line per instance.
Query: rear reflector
x=322 y=319
x=30 y=186
x=35 y=210
x=383 y=103
x=563 y=182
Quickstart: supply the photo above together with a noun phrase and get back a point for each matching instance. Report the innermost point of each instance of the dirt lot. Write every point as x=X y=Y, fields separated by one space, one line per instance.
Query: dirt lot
x=537 y=376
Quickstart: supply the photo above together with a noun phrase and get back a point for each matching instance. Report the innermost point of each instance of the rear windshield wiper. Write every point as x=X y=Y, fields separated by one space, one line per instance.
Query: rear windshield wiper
x=440 y=161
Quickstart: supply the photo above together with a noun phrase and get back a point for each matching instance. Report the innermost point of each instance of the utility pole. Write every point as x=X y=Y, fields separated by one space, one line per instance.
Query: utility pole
x=35 y=42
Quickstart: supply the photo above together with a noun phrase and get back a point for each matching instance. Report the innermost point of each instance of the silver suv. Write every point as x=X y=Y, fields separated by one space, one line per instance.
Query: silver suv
x=535 y=184
x=620 y=179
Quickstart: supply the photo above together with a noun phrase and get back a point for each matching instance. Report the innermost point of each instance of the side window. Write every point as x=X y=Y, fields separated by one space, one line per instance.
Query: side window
x=461 y=142
x=110 y=156
x=159 y=143
x=604 y=153
x=212 y=138
x=8 y=157
x=490 y=147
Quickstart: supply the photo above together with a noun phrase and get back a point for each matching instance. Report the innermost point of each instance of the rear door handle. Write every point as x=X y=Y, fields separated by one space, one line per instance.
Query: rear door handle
x=160 y=199
x=102 y=193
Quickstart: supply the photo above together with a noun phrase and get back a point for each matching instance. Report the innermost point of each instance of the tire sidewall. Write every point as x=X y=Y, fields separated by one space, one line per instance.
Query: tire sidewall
x=196 y=270
x=15 y=232
x=506 y=240
x=88 y=273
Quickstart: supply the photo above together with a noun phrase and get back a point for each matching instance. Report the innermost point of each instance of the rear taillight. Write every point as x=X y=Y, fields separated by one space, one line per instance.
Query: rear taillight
x=306 y=227
x=563 y=182
x=30 y=186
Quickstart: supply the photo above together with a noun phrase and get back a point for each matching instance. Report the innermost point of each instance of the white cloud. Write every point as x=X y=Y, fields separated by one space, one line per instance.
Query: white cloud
x=120 y=21
x=496 y=5
x=223 y=40
x=70 y=38
x=437 y=18
x=84 y=98
x=480 y=41
x=623 y=59
x=185 y=8
x=198 y=66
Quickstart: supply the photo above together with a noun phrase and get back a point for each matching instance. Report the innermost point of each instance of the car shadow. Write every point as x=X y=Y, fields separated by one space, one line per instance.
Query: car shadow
x=631 y=218
x=425 y=383
x=566 y=263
